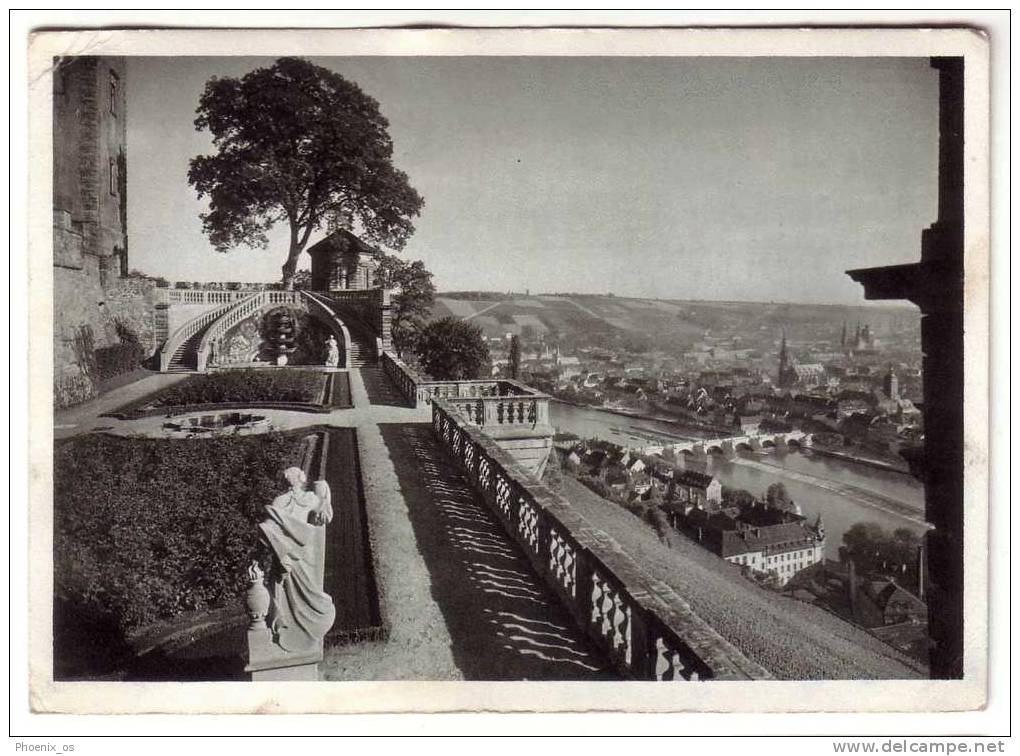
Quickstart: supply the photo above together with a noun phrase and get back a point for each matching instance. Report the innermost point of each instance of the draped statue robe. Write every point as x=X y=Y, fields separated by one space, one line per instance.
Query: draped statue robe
x=301 y=613
x=332 y=353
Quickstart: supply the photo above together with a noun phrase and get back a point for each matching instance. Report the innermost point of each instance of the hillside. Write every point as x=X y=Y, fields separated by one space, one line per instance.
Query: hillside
x=574 y=318
x=793 y=640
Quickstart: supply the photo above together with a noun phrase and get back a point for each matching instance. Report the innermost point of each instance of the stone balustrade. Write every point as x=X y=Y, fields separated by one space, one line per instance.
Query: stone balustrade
x=644 y=628
x=492 y=411
x=200 y=296
x=420 y=391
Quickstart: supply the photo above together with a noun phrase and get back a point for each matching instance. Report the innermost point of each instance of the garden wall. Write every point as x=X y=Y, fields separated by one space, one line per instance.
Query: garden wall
x=81 y=301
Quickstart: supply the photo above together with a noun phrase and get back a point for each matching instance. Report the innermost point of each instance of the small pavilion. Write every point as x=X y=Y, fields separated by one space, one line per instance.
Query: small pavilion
x=343 y=261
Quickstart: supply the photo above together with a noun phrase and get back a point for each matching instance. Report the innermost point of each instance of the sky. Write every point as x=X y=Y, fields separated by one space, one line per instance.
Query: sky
x=686 y=178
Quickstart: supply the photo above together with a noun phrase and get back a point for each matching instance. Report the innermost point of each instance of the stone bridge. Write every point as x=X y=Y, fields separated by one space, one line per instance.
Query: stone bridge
x=730 y=445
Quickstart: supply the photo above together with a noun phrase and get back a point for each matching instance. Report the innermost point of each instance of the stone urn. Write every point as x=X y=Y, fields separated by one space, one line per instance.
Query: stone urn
x=256 y=598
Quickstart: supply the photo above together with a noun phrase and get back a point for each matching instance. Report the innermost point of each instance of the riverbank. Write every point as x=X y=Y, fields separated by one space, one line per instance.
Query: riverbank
x=631 y=415
x=857 y=493
x=858 y=460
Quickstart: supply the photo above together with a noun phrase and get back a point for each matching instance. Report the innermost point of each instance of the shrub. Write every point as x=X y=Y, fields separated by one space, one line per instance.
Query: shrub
x=146 y=528
x=69 y=390
x=245 y=386
x=450 y=350
x=84 y=346
x=125 y=334
x=118 y=359
x=660 y=522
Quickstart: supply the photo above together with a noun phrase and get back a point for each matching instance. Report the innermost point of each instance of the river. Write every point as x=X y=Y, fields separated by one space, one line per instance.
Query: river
x=844 y=493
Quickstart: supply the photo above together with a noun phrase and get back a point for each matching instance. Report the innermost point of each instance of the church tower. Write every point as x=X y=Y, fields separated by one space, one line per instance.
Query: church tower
x=891 y=384
x=785 y=369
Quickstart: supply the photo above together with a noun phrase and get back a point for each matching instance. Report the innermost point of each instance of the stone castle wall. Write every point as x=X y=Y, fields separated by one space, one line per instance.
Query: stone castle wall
x=89 y=225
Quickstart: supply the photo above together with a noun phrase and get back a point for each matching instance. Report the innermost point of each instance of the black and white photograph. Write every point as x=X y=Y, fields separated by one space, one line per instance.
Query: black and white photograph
x=596 y=359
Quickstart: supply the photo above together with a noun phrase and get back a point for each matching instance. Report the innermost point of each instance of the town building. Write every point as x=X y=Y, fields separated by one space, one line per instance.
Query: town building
x=694 y=489
x=765 y=540
x=892 y=604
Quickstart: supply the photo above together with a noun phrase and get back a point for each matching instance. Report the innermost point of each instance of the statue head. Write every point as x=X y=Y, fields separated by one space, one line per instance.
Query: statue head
x=295 y=476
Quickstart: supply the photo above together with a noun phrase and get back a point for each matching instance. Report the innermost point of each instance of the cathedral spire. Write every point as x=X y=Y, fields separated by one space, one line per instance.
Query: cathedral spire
x=784 y=363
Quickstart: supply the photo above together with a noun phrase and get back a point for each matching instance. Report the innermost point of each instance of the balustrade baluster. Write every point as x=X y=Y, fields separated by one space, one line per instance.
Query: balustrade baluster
x=609 y=618
x=623 y=628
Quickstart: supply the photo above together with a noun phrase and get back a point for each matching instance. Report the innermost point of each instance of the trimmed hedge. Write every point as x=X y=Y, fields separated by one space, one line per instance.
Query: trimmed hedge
x=244 y=386
x=145 y=529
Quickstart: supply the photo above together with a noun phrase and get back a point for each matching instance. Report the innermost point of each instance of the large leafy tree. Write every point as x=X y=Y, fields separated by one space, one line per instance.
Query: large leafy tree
x=451 y=350
x=412 y=300
x=300 y=145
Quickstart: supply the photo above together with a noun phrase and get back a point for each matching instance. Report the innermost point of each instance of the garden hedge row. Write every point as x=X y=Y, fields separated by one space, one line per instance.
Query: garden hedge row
x=145 y=529
x=298 y=386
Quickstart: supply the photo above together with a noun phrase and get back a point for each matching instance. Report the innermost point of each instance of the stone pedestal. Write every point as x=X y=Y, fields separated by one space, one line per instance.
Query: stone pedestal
x=530 y=447
x=267 y=661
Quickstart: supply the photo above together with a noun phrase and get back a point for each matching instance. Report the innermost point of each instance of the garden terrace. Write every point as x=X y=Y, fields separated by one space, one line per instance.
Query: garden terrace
x=273 y=388
x=484 y=574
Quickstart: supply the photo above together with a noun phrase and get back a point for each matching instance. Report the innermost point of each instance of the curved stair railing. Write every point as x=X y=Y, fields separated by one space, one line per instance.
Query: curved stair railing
x=318 y=304
x=185 y=332
x=365 y=339
x=351 y=315
x=239 y=312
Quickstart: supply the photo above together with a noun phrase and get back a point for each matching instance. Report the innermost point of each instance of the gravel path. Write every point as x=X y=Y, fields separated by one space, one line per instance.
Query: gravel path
x=459 y=597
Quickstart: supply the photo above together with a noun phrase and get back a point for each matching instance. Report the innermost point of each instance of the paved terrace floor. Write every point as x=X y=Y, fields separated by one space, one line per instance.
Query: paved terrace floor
x=459 y=597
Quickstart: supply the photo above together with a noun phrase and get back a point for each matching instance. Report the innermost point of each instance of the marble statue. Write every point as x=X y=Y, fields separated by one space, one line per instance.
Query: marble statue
x=332 y=352
x=300 y=613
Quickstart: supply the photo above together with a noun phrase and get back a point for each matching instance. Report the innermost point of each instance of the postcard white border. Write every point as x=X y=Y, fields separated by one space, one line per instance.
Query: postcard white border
x=832 y=696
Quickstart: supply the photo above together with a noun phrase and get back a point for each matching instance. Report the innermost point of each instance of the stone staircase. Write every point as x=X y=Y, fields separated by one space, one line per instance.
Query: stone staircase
x=185 y=357
x=363 y=350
